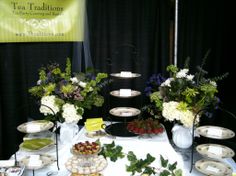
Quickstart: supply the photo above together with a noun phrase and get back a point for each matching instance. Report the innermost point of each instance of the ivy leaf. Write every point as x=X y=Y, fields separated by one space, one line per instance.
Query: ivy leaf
x=172 y=167
x=131 y=156
x=178 y=172
x=150 y=158
x=149 y=171
x=112 y=151
x=163 y=162
x=165 y=173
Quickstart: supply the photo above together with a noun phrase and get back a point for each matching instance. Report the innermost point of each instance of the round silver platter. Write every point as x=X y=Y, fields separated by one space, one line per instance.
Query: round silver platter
x=119 y=75
x=116 y=93
x=124 y=111
x=215 y=132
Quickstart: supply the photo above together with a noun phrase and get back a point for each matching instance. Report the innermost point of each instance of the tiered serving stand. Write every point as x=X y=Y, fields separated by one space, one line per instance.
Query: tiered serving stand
x=86 y=164
x=35 y=131
x=214 y=154
x=120 y=128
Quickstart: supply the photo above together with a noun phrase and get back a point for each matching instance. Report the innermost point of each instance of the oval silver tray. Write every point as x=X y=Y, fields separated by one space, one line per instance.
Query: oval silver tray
x=215 y=132
x=118 y=75
x=46 y=160
x=124 y=111
x=35 y=126
x=211 y=167
x=215 y=151
x=116 y=93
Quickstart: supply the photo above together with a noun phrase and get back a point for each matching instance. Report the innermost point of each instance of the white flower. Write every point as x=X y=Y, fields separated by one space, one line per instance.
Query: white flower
x=74 y=80
x=82 y=84
x=167 y=82
x=39 y=82
x=187 y=118
x=48 y=102
x=190 y=77
x=69 y=113
x=182 y=73
x=171 y=112
x=213 y=83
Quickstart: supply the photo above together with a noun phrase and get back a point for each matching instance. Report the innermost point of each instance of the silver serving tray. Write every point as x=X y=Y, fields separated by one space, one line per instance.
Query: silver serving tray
x=215 y=151
x=215 y=132
x=124 y=111
x=118 y=75
x=214 y=168
x=46 y=160
x=35 y=126
x=116 y=93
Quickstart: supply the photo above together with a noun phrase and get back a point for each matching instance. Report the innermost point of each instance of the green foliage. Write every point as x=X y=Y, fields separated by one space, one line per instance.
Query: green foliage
x=81 y=90
x=172 y=69
x=156 y=98
x=169 y=169
x=140 y=165
x=112 y=151
x=194 y=92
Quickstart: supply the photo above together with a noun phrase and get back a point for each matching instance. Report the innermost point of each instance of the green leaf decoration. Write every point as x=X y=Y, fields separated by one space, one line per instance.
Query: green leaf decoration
x=163 y=161
x=172 y=167
x=112 y=151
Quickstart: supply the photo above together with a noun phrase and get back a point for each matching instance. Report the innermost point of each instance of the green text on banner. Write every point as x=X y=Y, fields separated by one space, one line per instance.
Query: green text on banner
x=41 y=20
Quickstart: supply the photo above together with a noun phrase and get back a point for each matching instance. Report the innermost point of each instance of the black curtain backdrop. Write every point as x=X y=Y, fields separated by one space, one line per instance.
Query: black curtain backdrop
x=142 y=24
x=205 y=25
x=19 y=71
x=131 y=35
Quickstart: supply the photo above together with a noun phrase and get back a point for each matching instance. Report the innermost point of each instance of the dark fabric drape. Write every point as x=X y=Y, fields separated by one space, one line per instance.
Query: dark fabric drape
x=19 y=71
x=132 y=36
x=205 y=25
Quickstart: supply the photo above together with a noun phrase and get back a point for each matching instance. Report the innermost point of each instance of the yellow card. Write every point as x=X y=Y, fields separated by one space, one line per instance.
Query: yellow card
x=94 y=124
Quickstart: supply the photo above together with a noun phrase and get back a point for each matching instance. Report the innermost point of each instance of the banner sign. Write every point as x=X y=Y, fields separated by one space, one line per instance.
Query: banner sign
x=41 y=20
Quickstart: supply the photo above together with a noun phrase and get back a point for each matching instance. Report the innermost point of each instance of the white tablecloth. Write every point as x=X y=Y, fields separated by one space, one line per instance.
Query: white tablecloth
x=140 y=146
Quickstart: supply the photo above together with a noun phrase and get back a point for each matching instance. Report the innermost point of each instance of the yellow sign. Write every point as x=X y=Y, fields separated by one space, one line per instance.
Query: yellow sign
x=94 y=124
x=41 y=20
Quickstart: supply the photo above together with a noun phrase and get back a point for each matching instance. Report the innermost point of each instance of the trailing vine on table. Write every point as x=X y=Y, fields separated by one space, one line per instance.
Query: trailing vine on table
x=141 y=166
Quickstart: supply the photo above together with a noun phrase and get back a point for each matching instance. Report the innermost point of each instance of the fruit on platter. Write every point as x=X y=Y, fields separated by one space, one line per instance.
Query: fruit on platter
x=86 y=148
x=145 y=126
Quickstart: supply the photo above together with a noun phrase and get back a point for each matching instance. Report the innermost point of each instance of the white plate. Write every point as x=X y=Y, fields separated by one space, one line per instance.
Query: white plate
x=35 y=126
x=213 y=168
x=119 y=75
x=7 y=163
x=95 y=134
x=46 y=160
x=116 y=93
x=12 y=171
x=215 y=132
x=124 y=111
x=215 y=151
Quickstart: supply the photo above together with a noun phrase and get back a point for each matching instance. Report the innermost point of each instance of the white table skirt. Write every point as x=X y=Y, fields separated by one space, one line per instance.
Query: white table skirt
x=140 y=146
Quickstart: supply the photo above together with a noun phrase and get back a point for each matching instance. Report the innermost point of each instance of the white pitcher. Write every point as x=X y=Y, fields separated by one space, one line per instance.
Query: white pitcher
x=182 y=136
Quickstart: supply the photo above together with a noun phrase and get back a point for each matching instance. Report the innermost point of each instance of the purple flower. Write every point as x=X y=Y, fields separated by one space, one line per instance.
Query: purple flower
x=153 y=83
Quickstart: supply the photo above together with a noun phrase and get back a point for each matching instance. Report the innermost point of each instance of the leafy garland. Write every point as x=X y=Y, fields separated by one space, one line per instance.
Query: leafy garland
x=142 y=166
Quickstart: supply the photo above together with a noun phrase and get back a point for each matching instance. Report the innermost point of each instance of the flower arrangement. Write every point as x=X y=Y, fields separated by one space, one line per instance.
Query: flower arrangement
x=60 y=93
x=183 y=95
